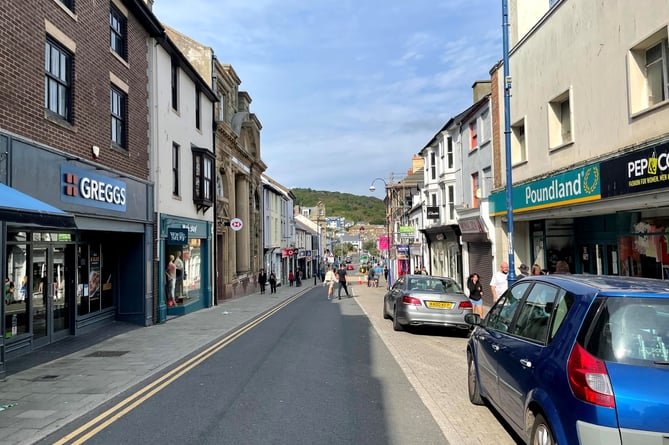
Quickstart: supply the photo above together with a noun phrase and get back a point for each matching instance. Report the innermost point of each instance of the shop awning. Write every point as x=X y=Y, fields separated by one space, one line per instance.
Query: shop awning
x=17 y=207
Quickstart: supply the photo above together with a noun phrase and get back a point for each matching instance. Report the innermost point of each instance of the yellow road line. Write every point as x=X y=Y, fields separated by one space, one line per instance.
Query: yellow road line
x=105 y=419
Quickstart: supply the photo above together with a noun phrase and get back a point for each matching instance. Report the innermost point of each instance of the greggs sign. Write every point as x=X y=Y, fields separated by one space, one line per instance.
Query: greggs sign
x=83 y=187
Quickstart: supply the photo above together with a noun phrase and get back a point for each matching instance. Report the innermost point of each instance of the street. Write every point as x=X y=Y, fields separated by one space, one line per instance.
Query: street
x=314 y=372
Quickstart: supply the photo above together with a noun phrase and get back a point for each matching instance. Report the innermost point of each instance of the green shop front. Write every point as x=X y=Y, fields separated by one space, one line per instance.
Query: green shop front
x=188 y=243
x=604 y=218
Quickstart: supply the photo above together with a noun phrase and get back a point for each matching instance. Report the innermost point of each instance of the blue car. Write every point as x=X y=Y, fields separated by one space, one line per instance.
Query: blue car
x=576 y=359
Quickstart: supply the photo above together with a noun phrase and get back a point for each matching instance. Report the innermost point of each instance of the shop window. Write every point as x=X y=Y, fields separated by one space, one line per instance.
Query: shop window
x=17 y=291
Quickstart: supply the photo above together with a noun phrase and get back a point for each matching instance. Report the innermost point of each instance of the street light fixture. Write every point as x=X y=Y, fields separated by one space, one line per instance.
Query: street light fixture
x=372 y=189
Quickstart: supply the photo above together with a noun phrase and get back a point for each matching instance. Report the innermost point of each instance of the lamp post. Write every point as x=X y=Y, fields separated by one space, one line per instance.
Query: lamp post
x=372 y=189
x=511 y=277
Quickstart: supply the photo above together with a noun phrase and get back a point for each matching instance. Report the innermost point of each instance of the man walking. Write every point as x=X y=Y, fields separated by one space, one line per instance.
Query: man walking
x=341 y=276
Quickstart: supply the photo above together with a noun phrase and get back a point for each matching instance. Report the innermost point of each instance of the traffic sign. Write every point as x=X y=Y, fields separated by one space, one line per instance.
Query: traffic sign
x=236 y=224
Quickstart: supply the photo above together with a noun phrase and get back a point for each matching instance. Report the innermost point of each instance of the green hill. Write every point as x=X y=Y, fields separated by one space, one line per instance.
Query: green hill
x=356 y=208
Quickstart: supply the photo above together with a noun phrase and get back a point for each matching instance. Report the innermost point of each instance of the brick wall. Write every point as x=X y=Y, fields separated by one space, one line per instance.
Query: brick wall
x=22 y=40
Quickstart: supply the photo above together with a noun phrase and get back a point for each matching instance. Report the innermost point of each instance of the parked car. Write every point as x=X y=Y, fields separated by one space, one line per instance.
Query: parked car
x=416 y=300
x=576 y=359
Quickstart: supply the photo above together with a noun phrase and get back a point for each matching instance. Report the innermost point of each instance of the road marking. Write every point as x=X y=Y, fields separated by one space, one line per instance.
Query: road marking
x=94 y=426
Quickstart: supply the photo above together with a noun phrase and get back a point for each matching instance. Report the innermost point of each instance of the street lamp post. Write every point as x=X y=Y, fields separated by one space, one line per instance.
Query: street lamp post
x=511 y=277
x=372 y=189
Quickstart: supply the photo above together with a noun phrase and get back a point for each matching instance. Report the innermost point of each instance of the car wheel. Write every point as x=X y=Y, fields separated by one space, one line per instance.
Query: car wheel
x=385 y=313
x=541 y=432
x=396 y=324
x=473 y=383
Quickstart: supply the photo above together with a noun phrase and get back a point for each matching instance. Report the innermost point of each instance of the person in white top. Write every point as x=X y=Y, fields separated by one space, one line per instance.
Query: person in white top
x=499 y=283
x=329 y=281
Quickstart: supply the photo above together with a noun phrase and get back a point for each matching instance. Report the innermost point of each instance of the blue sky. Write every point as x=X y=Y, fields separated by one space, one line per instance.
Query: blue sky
x=347 y=90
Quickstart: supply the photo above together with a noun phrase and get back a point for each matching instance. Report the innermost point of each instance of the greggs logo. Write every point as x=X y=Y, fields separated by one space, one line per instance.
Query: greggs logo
x=86 y=188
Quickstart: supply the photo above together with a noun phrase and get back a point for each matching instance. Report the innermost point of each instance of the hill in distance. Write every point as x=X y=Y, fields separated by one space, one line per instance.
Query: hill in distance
x=354 y=207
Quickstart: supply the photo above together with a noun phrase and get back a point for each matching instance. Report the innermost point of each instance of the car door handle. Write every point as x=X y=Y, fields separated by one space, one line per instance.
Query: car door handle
x=495 y=348
x=526 y=363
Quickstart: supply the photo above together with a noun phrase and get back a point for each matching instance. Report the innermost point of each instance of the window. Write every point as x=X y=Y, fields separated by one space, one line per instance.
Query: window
x=649 y=72
x=473 y=141
x=449 y=152
x=485 y=127
x=221 y=107
x=501 y=314
x=69 y=4
x=119 y=121
x=559 y=120
x=174 y=76
x=476 y=191
x=433 y=166
x=203 y=178
x=451 y=202
x=118 y=25
x=198 y=98
x=176 y=161
x=535 y=313
x=57 y=80
x=518 y=147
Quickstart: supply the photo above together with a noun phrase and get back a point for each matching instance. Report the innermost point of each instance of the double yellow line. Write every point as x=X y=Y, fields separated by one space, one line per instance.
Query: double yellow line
x=94 y=426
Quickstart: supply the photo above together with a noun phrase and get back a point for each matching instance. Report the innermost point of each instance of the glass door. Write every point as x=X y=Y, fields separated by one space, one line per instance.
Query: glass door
x=52 y=288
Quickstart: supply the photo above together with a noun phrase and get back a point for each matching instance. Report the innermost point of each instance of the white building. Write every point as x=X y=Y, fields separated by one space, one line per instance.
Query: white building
x=278 y=228
x=182 y=169
x=589 y=113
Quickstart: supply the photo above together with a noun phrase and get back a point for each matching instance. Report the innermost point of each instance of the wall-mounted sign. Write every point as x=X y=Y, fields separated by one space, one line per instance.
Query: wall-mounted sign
x=84 y=187
x=635 y=172
x=177 y=237
x=236 y=224
x=432 y=212
x=471 y=225
x=407 y=231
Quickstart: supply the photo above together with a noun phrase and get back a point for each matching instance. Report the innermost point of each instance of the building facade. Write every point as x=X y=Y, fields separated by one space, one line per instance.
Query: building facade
x=80 y=71
x=590 y=137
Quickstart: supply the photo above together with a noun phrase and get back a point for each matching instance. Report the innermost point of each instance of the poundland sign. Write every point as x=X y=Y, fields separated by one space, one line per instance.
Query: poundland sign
x=571 y=187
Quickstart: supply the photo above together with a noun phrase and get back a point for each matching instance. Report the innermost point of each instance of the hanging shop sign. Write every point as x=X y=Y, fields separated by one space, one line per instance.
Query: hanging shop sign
x=432 y=212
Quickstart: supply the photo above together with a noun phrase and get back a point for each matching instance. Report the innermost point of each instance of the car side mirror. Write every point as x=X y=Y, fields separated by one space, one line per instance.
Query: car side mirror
x=473 y=319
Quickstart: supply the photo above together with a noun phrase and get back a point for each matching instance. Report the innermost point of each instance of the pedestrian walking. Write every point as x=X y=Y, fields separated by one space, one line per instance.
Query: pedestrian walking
x=536 y=270
x=370 y=277
x=272 y=283
x=499 y=283
x=341 y=276
x=291 y=278
x=385 y=272
x=262 y=280
x=475 y=293
x=330 y=281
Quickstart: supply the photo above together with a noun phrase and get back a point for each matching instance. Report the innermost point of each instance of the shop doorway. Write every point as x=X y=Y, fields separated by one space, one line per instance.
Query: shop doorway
x=600 y=258
x=52 y=281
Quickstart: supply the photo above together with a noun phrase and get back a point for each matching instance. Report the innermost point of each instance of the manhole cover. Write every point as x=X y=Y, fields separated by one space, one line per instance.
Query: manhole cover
x=106 y=354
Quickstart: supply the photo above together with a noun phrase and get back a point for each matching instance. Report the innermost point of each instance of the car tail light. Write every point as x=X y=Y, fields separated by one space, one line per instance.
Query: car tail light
x=411 y=300
x=589 y=379
x=465 y=305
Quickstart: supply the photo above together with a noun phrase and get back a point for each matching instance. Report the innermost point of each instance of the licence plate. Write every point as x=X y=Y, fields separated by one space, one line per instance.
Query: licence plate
x=440 y=304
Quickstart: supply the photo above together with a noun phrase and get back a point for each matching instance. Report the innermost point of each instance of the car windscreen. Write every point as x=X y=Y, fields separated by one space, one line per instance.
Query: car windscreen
x=630 y=330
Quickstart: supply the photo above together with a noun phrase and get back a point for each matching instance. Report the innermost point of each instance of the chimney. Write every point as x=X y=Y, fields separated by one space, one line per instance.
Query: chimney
x=481 y=88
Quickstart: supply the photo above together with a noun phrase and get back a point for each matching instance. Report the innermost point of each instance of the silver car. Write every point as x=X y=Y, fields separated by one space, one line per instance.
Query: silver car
x=416 y=300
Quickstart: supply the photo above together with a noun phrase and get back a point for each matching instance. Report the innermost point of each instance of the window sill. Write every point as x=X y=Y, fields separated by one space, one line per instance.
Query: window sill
x=561 y=146
x=66 y=9
x=650 y=109
x=119 y=58
x=59 y=120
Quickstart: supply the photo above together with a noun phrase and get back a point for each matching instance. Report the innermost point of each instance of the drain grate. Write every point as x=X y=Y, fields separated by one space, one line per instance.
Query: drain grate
x=106 y=354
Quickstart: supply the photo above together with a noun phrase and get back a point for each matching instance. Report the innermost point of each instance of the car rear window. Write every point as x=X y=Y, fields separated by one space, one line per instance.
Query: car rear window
x=630 y=330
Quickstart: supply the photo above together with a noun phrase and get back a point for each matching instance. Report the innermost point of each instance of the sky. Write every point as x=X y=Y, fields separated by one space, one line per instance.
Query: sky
x=347 y=91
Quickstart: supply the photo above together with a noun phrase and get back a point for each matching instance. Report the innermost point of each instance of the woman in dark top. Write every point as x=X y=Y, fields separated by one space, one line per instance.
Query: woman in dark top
x=475 y=294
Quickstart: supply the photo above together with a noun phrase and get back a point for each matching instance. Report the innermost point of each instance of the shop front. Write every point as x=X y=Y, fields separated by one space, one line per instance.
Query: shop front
x=79 y=262
x=187 y=243
x=605 y=218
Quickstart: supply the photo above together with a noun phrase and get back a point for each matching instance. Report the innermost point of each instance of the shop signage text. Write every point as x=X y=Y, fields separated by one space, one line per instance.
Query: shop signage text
x=83 y=187
x=177 y=237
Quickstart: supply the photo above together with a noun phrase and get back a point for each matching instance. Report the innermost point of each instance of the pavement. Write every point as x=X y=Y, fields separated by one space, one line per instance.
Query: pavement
x=56 y=385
